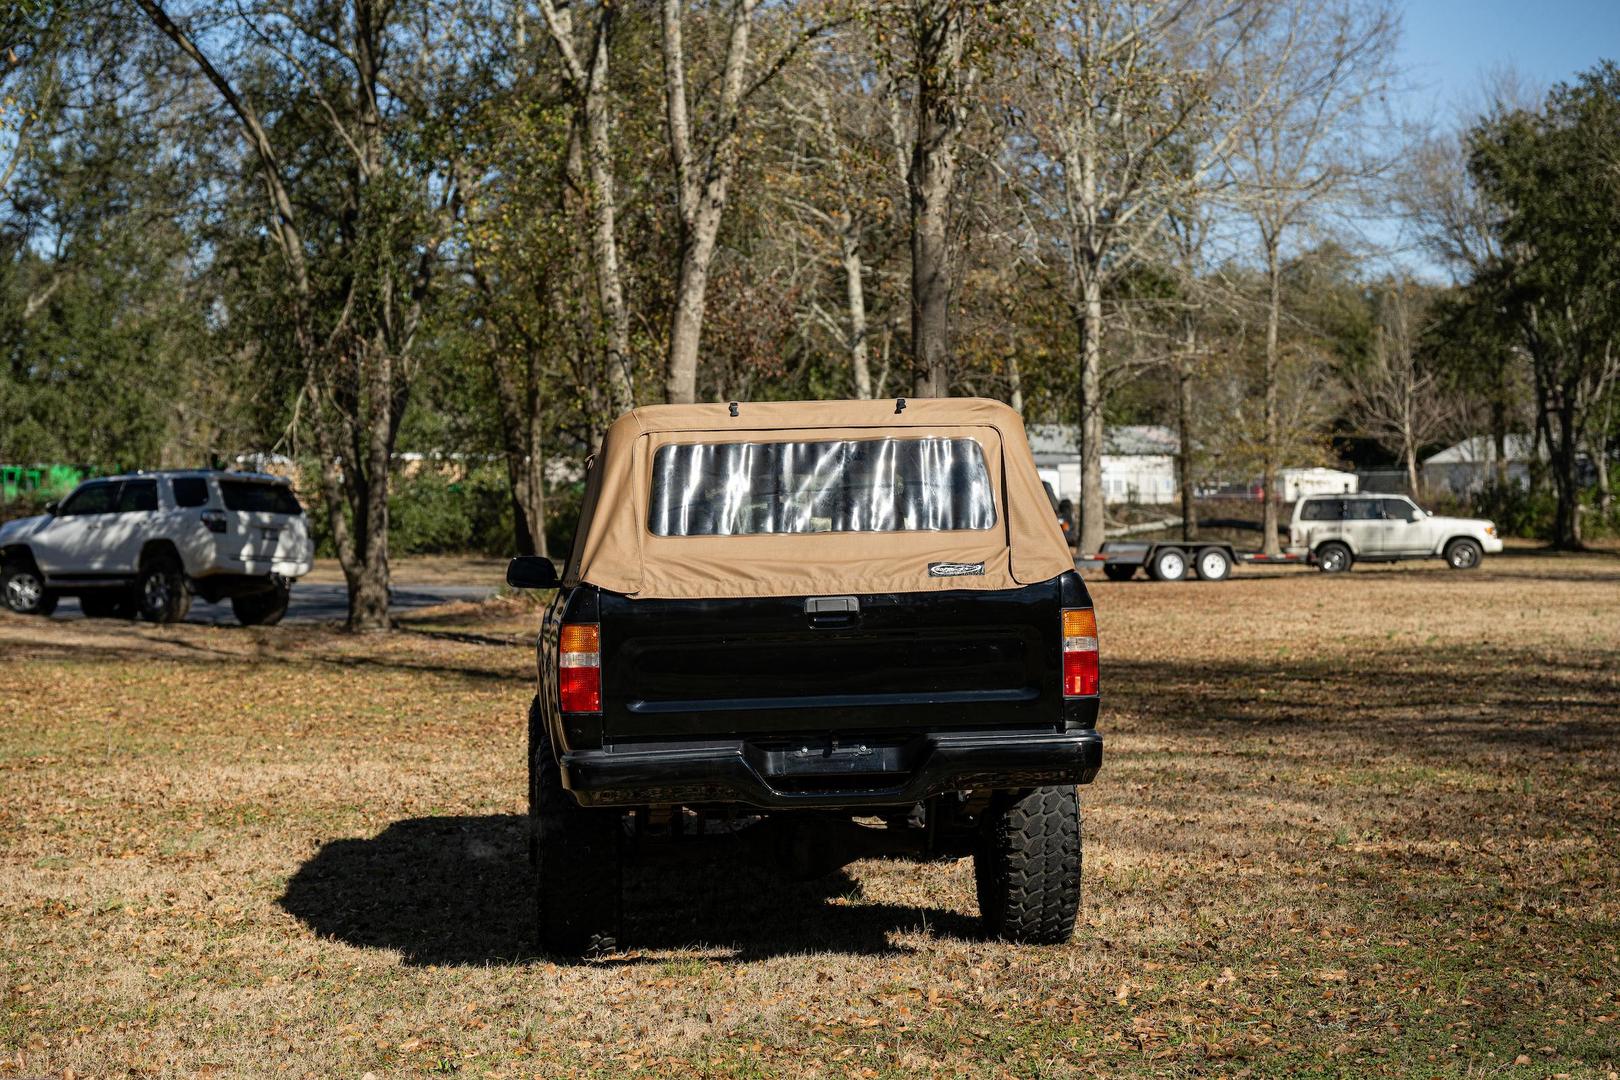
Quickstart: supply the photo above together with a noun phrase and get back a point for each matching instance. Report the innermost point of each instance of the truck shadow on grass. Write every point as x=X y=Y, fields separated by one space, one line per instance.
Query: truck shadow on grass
x=460 y=891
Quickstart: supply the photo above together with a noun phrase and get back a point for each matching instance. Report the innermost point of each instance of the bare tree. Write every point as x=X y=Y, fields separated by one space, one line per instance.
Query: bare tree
x=585 y=67
x=1454 y=222
x=1310 y=83
x=1397 y=403
x=356 y=343
x=842 y=187
x=938 y=31
x=1129 y=122
x=703 y=165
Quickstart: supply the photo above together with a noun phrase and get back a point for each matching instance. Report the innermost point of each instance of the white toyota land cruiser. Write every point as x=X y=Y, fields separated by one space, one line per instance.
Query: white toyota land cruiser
x=142 y=544
x=1338 y=530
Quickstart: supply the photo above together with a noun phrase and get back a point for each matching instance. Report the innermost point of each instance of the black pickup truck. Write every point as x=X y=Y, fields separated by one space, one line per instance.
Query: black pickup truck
x=810 y=613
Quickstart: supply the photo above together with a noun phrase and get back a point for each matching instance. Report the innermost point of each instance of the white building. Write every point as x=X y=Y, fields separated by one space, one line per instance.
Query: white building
x=1298 y=483
x=1470 y=465
x=1138 y=462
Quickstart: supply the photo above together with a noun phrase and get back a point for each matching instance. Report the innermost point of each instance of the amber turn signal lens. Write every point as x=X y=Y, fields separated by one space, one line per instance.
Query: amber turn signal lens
x=581 y=638
x=1080 y=622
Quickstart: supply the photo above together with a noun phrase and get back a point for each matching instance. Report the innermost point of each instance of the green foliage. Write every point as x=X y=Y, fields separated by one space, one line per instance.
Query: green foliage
x=1517 y=510
x=1552 y=174
x=433 y=513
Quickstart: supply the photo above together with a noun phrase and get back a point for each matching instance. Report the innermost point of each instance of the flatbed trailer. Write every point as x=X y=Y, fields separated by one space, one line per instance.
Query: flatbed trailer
x=1173 y=560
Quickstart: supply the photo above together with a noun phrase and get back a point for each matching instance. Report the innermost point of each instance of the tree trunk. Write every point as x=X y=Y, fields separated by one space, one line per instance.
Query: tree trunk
x=1271 y=450
x=1499 y=434
x=368 y=598
x=855 y=294
x=701 y=185
x=1092 y=501
x=604 y=233
x=686 y=330
x=930 y=290
x=1015 y=383
x=1563 y=447
x=522 y=426
x=1596 y=450
x=356 y=505
x=1184 y=459
x=929 y=180
x=593 y=127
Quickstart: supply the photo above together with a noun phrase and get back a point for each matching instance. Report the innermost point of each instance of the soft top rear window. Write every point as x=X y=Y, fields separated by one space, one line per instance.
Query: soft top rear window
x=258 y=497
x=931 y=484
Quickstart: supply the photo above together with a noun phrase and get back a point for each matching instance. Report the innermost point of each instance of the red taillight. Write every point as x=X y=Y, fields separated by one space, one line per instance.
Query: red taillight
x=1079 y=652
x=579 y=668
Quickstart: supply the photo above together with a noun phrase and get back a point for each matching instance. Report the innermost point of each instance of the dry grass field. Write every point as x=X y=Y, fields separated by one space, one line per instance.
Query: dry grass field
x=1355 y=826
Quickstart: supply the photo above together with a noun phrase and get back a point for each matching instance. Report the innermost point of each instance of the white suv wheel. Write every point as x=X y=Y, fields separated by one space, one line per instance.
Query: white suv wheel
x=23 y=591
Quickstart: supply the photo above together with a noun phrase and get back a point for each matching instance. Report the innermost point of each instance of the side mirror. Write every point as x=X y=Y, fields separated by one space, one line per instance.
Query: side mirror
x=52 y=507
x=532 y=572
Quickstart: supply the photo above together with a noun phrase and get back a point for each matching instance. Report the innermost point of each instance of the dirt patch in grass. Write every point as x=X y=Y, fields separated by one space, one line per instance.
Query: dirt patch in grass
x=1345 y=826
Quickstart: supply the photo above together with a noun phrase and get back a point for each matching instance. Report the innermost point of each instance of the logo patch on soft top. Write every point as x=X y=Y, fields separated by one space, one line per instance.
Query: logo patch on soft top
x=955 y=569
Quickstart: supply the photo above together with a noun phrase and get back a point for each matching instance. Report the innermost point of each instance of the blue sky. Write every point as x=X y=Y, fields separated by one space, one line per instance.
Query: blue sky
x=1450 y=48
x=1448 y=45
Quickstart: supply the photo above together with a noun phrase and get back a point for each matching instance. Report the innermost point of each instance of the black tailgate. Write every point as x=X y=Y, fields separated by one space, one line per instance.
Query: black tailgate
x=888 y=662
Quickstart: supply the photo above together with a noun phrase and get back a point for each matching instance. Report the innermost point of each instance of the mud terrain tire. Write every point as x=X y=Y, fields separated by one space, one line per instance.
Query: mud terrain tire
x=577 y=854
x=1028 y=866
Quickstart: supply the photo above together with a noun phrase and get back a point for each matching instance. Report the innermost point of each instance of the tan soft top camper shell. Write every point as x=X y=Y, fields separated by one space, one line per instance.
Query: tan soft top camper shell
x=615 y=549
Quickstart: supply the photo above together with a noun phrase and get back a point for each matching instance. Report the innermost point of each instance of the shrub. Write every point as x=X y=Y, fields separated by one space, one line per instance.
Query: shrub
x=434 y=513
x=1517 y=510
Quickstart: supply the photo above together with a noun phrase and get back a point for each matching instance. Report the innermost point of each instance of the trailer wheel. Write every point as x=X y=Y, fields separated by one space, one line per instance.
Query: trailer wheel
x=1169 y=564
x=1214 y=564
x=1117 y=572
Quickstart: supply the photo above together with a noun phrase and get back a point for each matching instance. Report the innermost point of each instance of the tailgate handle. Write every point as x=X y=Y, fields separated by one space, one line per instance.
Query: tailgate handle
x=832 y=610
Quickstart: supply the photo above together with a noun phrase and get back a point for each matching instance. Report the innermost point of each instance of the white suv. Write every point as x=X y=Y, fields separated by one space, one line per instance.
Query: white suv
x=142 y=544
x=1338 y=530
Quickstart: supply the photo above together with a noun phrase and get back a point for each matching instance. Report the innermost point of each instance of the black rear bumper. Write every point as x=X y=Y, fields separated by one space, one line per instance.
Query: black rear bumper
x=782 y=773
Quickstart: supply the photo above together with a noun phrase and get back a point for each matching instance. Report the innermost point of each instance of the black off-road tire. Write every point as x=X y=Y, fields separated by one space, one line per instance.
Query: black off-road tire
x=577 y=854
x=1464 y=554
x=1028 y=866
x=1115 y=572
x=161 y=592
x=107 y=604
x=1334 y=558
x=263 y=608
x=23 y=590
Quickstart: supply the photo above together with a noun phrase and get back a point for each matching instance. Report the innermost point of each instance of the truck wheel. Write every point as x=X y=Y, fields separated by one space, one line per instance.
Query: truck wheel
x=262 y=608
x=1464 y=554
x=1169 y=564
x=160 y=590
x=25 y=590
x=1115 y=572
x=1027 y=866
x=577 y=855
x=1333 y=558
x=1214 y=564
x=107 y=604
